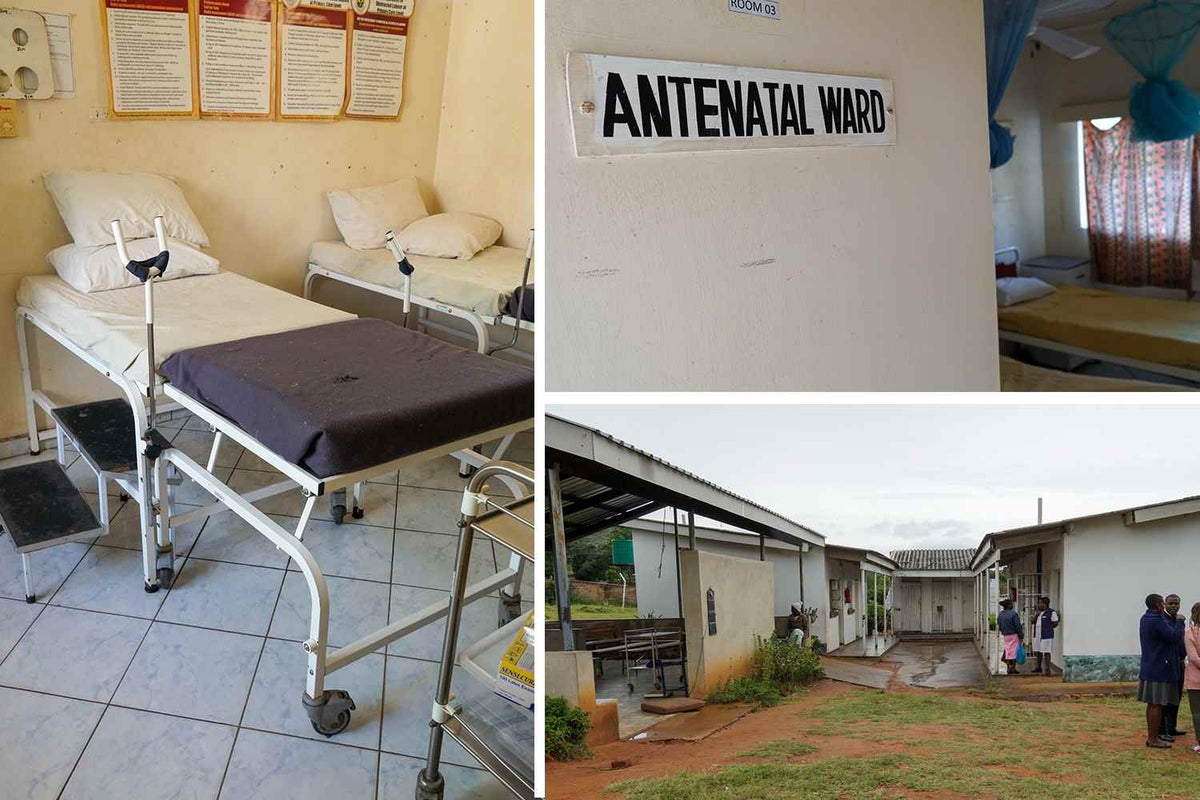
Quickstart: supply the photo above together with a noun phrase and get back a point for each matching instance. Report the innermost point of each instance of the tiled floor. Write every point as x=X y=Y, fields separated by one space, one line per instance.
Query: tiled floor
x=109 y=692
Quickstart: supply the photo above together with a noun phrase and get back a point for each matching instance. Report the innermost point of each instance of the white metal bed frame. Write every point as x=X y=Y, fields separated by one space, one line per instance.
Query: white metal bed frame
x=479 y=324
x=329 y=711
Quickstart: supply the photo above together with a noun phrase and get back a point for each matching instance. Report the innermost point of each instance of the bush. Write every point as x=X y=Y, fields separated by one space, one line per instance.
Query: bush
x=566 y=726
x=787 y=665
x=780 y=667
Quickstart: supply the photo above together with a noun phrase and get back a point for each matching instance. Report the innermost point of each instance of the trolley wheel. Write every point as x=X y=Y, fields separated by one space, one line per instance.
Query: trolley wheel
x=123 y=496
x=31 y=598
x=357 y=512
x=331 y=713
x=166 y=576
x=338 y=513
x=430 y=788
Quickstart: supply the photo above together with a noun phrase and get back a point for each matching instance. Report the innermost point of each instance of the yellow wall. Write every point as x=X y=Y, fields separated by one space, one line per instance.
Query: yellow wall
x=259 y=187
x=485 y=151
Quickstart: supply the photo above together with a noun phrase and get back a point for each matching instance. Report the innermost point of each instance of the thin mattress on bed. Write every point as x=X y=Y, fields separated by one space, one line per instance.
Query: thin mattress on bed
x=1142 y=328
x=351 y=395
x=482 y=284
x=188 y=312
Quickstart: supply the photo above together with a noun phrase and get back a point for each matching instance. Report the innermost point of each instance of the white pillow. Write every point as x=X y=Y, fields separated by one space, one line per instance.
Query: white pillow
x=90 y=201
x=98 y=269
x=1010 y=291
x=453 y=235
x=364 y=216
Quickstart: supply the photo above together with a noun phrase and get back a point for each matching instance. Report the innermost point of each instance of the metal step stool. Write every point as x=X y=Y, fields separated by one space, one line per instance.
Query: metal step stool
x=103 y=433
x=39 y=508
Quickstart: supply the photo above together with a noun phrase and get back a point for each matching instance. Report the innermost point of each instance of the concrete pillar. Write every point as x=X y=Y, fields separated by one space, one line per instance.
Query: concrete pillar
x=562 y=587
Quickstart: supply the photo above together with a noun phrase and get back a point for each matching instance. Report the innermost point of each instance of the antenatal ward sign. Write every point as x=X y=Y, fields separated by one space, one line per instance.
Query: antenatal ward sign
x=637 y=106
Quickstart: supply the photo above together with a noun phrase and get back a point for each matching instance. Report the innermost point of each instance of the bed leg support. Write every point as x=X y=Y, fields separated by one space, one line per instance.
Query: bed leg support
x=337 y=506
x=146 y=521
x=357 y=510
x=165 y=538
x=35 y=443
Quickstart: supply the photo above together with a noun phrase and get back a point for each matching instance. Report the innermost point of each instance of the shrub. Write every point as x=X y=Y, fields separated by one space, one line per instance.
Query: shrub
x=566 y=726
x=780 y=667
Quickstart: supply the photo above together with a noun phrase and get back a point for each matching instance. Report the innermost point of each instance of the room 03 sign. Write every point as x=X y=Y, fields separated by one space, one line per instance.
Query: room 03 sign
x=637 y=106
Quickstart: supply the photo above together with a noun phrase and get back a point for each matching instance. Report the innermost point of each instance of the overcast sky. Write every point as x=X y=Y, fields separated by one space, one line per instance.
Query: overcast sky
x=899 y=477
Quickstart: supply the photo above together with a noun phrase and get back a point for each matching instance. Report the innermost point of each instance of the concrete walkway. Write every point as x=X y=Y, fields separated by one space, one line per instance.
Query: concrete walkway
x=936 y=665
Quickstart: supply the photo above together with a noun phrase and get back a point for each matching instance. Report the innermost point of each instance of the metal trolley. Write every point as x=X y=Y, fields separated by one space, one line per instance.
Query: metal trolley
x=495 y=732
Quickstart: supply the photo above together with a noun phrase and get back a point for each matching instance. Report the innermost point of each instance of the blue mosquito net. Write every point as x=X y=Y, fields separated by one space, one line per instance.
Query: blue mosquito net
x=1154 y=38
x=1006 y=23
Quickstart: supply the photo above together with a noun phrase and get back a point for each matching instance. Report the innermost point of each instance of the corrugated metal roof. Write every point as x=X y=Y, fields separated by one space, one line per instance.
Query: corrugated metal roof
x=945 y=559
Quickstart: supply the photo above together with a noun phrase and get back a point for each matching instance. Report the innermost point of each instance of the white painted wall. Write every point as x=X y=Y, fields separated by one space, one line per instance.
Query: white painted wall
x=1018 y=200
x=877 y=270
x=1109 y=570
x=656 y=590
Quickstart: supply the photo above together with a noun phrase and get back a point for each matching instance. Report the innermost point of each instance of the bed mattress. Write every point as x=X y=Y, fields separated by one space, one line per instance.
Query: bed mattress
x=1147 y=329
x=350 y=395
x=482 y=284
x=188 y=312
x=1016 y=376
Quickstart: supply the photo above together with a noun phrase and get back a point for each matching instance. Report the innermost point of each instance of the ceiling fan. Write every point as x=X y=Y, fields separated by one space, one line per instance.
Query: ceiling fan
x=1065 y=44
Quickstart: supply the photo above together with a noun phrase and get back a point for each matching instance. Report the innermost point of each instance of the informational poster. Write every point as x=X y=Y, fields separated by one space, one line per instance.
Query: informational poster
x=312 y=51
x=58 y=28
x=377 y=64
x=236 y=46
x=149 y=47
x=640 y=106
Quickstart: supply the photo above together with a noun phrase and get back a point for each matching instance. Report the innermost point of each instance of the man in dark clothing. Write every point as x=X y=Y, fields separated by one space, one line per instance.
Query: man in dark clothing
x=1160 y=636
x=1170 y=721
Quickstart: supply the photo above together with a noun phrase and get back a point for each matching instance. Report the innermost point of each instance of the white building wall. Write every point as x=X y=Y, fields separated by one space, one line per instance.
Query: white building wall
x=654 y=563
x=1109 y=570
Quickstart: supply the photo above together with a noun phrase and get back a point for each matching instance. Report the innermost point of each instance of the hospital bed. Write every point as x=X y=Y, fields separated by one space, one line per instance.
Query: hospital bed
x=1146 y=333
x=493 y=289
x=327 y=399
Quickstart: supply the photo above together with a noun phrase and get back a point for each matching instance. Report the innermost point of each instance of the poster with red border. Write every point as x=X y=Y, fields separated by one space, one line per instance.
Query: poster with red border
x=377 y=46
x=236 y=56
x=149 y=48
x=312 y=52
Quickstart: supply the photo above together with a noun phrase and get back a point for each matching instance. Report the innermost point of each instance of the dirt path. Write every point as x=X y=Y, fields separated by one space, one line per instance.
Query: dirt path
x=629 y=760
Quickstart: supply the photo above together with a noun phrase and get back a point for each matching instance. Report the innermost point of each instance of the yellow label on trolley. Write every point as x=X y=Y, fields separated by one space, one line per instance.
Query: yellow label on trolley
x=514 y=679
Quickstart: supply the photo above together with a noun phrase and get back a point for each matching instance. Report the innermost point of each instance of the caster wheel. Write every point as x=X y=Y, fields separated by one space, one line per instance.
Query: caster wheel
x=150 y=588
x=123 y=496
x=631 y=688
x=166 y=576
x=331 y=714
x=339 y=724
x=338 y=513
x=31 y=598
x=357 y=513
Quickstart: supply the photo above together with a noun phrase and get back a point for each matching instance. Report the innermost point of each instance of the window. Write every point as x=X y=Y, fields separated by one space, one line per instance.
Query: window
x=1104 y=124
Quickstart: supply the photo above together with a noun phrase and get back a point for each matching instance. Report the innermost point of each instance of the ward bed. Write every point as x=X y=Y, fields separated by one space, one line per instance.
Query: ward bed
x=327 y=399
x=484 y=290
x=1156 y=335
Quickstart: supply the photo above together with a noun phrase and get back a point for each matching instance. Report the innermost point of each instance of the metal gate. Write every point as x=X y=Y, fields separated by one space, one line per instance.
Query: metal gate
x=1029 y=590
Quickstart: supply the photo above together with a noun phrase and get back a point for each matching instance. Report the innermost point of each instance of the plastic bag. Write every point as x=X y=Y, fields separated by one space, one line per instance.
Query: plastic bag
x=1020 y=652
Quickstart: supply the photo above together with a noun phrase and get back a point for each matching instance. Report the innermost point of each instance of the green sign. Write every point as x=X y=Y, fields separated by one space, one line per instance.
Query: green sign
x=622 y=552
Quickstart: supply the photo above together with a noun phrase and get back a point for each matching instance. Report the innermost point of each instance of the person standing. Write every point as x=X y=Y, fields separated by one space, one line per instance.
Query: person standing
x=1009 y=623
x=1160 y=636
x=1191 y=673
x=1170 y=723
x=1043 y=634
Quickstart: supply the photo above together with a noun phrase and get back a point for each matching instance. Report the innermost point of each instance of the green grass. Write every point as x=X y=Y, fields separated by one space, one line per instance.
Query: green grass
x=1066 y=750
x=594 y=611
x=781 y=748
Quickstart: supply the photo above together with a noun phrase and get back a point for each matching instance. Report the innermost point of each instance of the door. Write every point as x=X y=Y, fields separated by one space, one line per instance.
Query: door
x=909 y=600
x=942 y=612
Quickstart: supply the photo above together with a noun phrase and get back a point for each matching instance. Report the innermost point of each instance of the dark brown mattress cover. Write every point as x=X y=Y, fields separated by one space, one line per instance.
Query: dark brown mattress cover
x=350 y=395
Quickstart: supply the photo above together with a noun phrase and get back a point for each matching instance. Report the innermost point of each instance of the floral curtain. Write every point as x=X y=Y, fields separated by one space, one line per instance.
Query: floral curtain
x=1139 y=198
